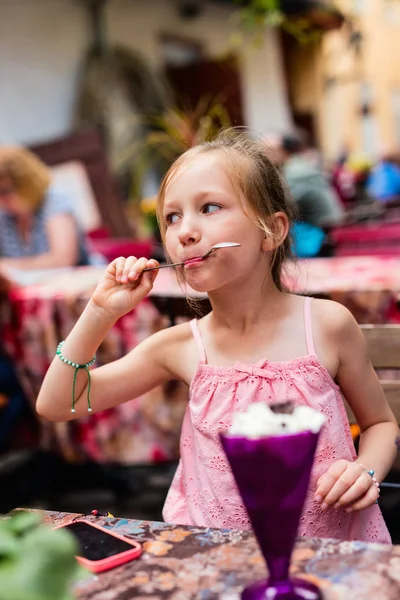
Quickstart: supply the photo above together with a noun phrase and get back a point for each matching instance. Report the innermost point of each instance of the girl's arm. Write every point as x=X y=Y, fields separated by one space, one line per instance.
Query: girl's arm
x=362 y=390
x=141 y=370
x=348 y=484
x=145 y=367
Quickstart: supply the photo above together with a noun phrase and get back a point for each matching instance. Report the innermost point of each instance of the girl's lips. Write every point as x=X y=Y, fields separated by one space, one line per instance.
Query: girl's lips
x=190 y=261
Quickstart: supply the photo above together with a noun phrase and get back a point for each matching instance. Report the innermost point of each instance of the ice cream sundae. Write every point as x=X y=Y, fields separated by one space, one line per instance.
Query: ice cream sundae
x=271 y=452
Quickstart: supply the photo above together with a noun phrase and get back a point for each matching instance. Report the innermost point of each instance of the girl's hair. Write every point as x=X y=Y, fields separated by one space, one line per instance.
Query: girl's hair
x=30 y=177
x=254 y=177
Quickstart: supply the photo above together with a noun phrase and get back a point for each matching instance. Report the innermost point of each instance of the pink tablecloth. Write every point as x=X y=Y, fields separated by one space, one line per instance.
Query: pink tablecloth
x=370 y=281
x=345 y=274
x=147 y=428
x=39 y=315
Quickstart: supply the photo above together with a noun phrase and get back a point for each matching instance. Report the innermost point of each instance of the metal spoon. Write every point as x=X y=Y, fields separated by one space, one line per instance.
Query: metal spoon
x=211 y=251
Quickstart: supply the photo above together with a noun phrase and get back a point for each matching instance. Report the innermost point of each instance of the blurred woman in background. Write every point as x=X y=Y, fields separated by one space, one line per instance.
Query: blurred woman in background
x=38 y=228
x=384 y=180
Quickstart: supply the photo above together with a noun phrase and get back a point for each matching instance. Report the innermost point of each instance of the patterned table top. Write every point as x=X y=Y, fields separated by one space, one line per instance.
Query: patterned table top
x=185 y=563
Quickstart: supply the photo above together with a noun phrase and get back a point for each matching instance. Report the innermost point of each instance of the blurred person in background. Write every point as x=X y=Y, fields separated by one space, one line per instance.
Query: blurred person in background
x=316 y=201
x=384 y=180
x=344 y=180
x=38 y=228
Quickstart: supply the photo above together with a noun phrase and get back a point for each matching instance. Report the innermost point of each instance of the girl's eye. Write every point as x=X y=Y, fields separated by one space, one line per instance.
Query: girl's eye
x=172 y=218
x=211 y=208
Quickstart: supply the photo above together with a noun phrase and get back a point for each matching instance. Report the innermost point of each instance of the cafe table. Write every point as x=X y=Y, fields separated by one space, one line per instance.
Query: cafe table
x=185 y=563
x=44 y=307
x=41 y=311
x=369 y=286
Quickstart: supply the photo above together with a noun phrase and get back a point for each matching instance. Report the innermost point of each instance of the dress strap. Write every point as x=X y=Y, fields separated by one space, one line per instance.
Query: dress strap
x=308 y=325
x=198 y=341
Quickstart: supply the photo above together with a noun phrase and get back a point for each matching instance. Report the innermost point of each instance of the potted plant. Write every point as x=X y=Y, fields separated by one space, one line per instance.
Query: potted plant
x=305 y=20
x=36 y=562
x=170 y=133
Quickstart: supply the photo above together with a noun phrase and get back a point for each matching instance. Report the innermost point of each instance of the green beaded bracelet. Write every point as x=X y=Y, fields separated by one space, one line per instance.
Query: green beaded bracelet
x=76 y=366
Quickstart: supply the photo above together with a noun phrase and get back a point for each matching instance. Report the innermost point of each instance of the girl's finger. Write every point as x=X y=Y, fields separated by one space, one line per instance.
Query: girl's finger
x=344 y=486
x=129 y=263
x=151 y=264
x=328 y=480
x=356 y=491
x=367 y=500
x=137 y=269
x=147 y=278
x=119 y=267
x=145 y=282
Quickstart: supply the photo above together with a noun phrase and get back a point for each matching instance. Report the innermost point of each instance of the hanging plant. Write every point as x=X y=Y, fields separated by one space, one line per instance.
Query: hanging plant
x=166 y=136
x=172 y=132
x=304 y=23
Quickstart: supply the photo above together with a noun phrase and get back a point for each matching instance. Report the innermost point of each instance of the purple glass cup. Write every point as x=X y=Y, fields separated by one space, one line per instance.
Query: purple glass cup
x=272 y=475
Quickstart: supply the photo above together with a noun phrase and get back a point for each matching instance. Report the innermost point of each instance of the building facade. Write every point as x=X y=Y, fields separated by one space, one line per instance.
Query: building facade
x=43 y=44
x=346 y=87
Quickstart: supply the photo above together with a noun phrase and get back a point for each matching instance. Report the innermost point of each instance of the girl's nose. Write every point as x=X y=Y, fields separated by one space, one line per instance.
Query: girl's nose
x=188 y=232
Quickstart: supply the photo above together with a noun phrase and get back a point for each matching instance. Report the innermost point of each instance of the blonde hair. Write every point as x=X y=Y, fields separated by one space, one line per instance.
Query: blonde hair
x=254 y=177
x=28 y=174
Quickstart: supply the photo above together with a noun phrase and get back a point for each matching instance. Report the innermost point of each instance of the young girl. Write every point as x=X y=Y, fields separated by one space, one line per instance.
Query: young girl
x=259 y=344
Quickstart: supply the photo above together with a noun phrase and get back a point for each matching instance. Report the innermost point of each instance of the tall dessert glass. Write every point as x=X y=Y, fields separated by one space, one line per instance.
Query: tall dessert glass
x=272 y=475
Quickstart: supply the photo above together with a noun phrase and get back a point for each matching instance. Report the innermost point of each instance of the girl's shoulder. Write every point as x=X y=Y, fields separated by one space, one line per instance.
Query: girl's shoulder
x=176 y=334
x=333 y=329
x=334 y=323
x=330 y=315
x=176 y=349
x=172 y=341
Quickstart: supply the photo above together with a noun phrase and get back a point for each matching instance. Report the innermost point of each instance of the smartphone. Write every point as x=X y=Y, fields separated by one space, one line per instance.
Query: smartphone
x=101 y=549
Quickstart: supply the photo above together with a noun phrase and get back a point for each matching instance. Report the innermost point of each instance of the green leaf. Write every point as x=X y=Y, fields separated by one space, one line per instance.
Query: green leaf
x=254 y=16
x=8 y=544
x=23 y=520
x=40 y=563
x=172 y=133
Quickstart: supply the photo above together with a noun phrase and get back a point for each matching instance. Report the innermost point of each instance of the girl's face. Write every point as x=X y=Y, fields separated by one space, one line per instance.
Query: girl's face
x=201 y=209
x=10 y=200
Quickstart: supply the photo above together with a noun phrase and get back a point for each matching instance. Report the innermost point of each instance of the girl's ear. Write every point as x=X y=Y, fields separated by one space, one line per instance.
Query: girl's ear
x=279 y=224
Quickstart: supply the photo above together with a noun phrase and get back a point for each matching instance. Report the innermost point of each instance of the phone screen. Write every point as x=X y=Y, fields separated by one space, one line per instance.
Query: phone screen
x=96 y=544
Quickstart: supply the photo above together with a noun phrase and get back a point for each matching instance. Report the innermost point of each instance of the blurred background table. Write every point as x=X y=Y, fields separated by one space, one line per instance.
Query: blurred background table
x=146 y=429
x=369 y=286
x=38 y=315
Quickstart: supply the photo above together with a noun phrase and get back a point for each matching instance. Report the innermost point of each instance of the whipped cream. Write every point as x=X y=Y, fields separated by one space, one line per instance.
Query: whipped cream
x=260 y=421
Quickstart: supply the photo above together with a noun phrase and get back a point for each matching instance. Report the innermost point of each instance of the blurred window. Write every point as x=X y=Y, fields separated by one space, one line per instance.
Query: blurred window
x=395 y=100
x=180 y=52
x=369 y=124
x=359 y=7
x=391 y=12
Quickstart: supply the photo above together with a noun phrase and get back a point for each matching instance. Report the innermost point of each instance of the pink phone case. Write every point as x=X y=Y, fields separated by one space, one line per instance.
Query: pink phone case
x=97 y=566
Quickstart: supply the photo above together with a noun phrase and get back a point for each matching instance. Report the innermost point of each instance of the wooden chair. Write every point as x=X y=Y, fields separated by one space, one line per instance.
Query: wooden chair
x=87 y=148
x=384 y=350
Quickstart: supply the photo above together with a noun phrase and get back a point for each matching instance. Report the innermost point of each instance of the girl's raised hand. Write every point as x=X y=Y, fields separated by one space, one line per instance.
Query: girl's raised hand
x=346 y=485
x=124 y=285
